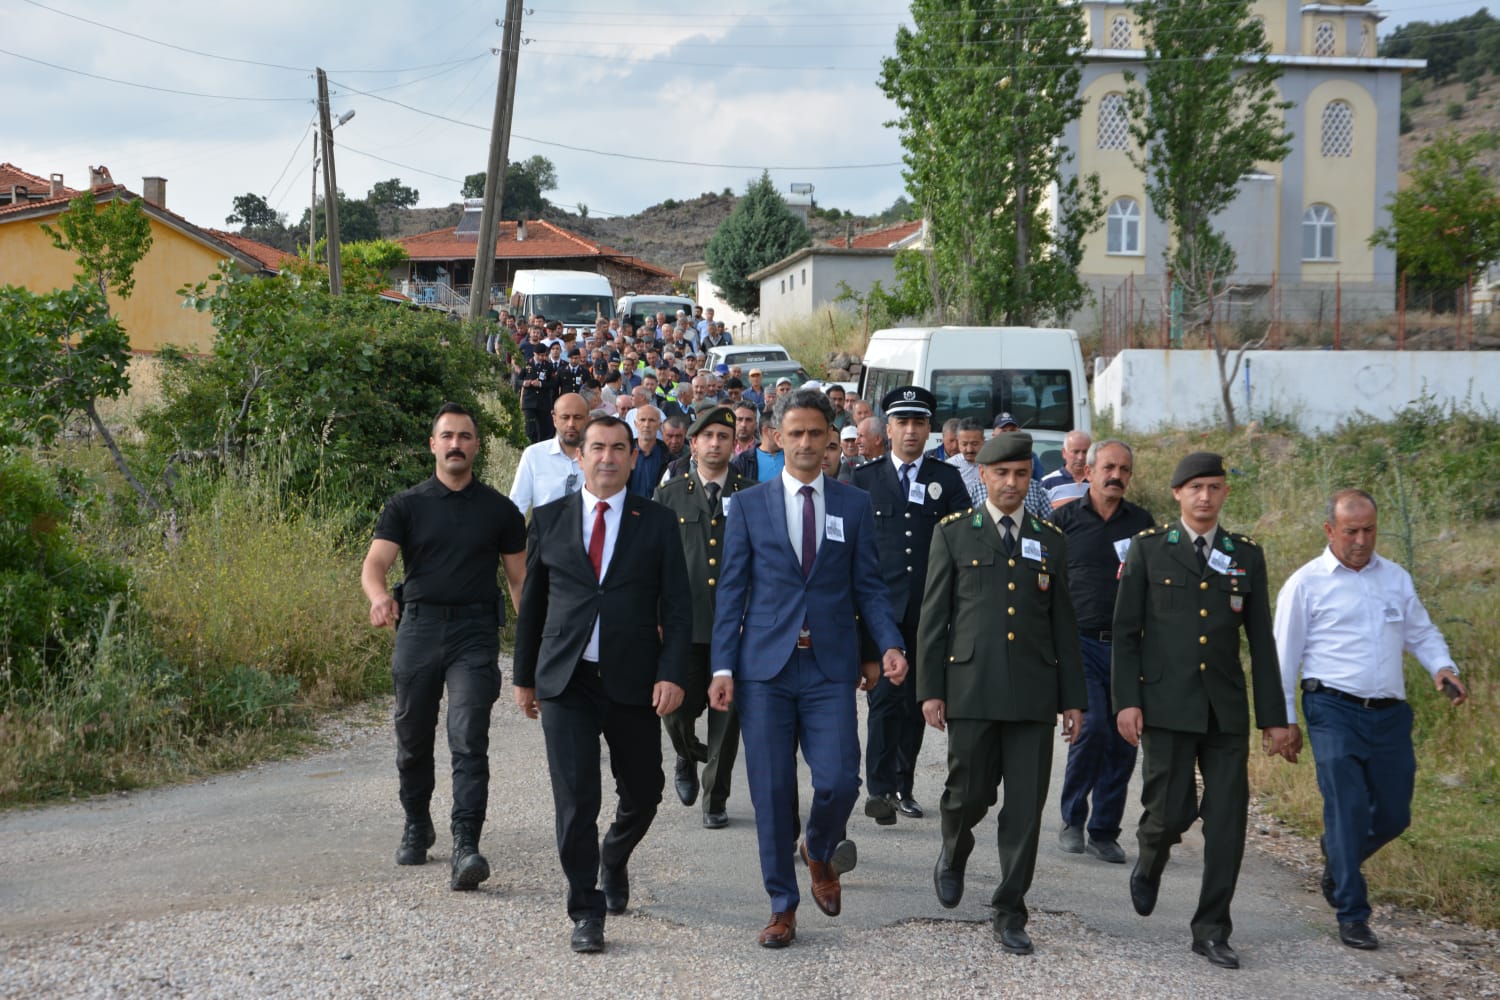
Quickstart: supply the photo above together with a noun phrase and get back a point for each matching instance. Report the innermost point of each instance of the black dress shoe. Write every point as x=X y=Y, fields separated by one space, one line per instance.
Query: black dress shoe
x=844 y=857
x=1143 y=892
x=715 y=820
x=686 y=781
x=908 y=807
x=882 y=809
x=1014 y=940
x=1357 y=934
x=616 y=885
x=948 y=881
x=588 y=935
x=1217 y=952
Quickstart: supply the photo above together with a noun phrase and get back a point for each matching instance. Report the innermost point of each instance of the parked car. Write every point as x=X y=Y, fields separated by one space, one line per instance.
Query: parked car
x=637 y=307
x=773 y=360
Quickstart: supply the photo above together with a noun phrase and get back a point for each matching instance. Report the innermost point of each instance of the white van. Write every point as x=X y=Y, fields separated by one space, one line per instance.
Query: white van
x=1036 y=375
x=574 y=298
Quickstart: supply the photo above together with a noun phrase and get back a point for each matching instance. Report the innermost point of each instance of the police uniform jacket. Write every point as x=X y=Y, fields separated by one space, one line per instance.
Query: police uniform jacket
x=997 y=638
x=903 y=530
x=702 y=528
x=1177 y=634
x=536 y=397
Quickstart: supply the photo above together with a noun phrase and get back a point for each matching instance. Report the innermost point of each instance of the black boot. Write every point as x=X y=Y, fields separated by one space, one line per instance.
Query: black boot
x=469 y=866
x=415 y=839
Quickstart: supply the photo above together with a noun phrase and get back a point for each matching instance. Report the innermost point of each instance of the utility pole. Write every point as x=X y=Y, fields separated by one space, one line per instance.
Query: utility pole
x=312 y=211
x=330 y=189
x=494 y=174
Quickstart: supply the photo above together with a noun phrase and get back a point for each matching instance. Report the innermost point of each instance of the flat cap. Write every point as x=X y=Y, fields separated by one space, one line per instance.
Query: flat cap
x=1007 y=446
x=908 y=401
x=723 y=416
x=1196 y=465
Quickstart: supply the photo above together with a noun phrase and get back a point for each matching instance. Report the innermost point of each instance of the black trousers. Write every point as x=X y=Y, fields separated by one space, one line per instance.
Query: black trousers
x=723 y=747
x=533 y=417
x=572 y=723
x=432 y=653
x=893 y=731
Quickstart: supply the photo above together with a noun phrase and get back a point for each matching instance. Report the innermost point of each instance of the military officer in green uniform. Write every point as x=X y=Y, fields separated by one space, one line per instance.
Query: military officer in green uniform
x=700 y=497
x=997 y=660
x=1186 y=591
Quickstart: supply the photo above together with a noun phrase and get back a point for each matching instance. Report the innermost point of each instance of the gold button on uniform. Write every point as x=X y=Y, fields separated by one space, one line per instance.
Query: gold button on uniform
x=1202 y=612
x=711 y=581
x=713 y=562
x=1203 y=640
x=952 y=659
x=1201 y=667
x=713 y=541
x=1011 y=585
x=1168 y=581
x=1010 y=562
x=1011 y=636
x=1010 y=611
x=974 y=563
x=1201 y=586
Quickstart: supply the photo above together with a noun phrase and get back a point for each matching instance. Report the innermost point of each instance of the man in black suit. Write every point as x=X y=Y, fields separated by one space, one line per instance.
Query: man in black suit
x=911 y=493
x=602 y=640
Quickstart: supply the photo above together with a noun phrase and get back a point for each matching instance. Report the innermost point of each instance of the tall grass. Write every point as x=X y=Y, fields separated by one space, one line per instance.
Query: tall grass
x=811 y=339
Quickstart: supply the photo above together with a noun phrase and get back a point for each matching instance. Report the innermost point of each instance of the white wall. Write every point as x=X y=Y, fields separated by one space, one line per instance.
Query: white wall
x=707 y=296
x=1316 y=390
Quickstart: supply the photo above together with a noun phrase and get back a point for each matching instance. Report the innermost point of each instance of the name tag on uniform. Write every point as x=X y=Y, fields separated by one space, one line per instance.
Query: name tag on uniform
x=1392 y=613
x=834 y=528
x=1122 y=547
x=917 y=493
x=1031 y=549
x=1218 y=561
x=724 y=502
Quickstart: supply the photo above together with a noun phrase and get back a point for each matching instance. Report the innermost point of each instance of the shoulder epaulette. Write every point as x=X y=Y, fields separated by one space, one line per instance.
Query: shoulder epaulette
x=1244 y=538
x=959 y=515
x=1157 y=529
x=1054 y=527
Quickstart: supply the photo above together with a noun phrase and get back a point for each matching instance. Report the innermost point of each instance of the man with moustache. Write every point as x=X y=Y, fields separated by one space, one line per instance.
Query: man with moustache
x=549 y=469
x=1099 y=528
x=701 y=497
x=970 y=440
x=452 y=534
x=601 y=641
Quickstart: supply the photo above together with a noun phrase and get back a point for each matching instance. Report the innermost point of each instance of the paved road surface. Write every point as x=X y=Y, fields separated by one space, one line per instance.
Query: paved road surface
x=281 y=881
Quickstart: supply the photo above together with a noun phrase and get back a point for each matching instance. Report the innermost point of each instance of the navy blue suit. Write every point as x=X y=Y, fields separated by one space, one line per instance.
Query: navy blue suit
x=790 y=697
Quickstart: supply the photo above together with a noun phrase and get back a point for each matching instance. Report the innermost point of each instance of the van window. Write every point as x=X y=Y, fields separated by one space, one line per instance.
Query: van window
x=879 y=381
x=572 y=309
x=753 y=356
x=1038 y=399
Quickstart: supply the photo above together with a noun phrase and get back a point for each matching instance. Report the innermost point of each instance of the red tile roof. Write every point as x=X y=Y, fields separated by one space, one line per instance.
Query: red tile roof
x=543 y=240
x=269 y=256
x=879 y=239
x=11 y=174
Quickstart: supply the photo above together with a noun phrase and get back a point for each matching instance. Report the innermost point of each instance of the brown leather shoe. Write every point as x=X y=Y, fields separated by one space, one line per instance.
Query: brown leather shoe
x=781 y=931
x=825 y=884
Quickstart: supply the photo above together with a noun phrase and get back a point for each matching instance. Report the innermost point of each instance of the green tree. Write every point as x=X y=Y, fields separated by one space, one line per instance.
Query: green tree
x=760 y=231
x=252 y=211
x=366 y=263
x=1445 y=224
x=526 y=183
x=358 y=220
x=1207 y=112
x=984 y=95
x=391 y=194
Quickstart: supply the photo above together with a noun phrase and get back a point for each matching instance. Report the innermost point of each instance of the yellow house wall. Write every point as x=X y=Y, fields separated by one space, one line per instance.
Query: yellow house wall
x=153 y=316
x=1117 y=177
x=1274 y=17
x=1347 y=184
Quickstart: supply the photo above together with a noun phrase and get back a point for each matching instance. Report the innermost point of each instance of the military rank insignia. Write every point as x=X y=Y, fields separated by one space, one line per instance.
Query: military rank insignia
x=978 y=520
x=1044 y=582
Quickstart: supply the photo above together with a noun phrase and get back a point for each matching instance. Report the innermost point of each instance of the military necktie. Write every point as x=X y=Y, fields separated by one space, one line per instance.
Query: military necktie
x=1202 y=545
x=906 y=468
x=1006 y=524
x=712 y=489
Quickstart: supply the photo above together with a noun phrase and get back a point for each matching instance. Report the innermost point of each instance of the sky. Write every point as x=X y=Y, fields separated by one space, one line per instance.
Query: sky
x=634 y=101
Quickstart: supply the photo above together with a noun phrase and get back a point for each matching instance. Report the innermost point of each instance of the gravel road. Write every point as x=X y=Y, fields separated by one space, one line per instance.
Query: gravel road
x=280 y=881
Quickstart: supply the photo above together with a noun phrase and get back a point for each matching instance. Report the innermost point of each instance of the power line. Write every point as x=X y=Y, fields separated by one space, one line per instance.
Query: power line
x=345 y=147
x=148 y=86
x=291 y=158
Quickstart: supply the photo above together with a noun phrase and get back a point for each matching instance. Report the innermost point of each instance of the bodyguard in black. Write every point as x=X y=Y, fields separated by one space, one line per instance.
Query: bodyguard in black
x=911 y=494
x=452 y=533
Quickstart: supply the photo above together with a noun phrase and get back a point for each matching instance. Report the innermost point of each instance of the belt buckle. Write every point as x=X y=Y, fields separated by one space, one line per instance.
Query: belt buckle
x=804 y=639
x=1106 y=636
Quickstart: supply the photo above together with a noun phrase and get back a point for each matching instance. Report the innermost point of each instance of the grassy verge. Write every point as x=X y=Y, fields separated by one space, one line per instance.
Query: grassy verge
x=1433 y=475
x=810 y=339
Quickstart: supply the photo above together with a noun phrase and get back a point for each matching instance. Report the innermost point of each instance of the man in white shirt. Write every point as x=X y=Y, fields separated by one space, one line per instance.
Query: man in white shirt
x=549 y=469
x=1343 y=620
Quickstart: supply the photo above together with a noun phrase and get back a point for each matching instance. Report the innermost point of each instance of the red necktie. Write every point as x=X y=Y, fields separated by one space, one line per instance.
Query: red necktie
x=596 y=539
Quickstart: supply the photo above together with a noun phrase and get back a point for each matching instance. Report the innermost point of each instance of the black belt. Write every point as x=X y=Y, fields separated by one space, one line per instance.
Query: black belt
x=449 y=612
x=1317 y=685
x=1103 y=635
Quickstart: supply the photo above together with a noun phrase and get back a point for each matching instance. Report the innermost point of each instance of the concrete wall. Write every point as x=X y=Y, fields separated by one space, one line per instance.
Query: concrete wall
x=1317 y=390
x=812 y=282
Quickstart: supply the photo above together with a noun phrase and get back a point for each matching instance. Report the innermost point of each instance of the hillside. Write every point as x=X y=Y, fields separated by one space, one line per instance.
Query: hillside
x=1465 y=108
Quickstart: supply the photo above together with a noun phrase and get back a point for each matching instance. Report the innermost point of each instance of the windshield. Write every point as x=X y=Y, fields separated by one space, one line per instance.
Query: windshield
x=640 y=308
x=573 y=309
x=1039 y=399
x=752 y=357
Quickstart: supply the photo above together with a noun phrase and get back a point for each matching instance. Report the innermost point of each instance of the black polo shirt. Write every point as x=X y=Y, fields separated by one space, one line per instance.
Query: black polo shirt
x=451 y=541
x=1093 y=562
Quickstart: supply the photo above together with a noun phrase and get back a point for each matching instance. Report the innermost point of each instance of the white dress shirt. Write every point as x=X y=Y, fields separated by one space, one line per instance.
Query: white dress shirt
x=1348 y=629
x=543 y=475
x=792 y=486
x=611 y=535
x=916 y=466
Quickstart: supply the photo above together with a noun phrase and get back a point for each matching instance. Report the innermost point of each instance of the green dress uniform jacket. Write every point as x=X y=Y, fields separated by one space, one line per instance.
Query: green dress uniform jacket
x=702 y=528
x=1177 y=635
x=997 y=637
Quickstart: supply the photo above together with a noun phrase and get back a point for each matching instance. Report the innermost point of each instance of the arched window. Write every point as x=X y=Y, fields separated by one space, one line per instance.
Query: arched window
x=1319 y=229
x=1123 y=232
x=1114 y=126
x=1324 y=43
x=1119 y=32
x=1338 y=129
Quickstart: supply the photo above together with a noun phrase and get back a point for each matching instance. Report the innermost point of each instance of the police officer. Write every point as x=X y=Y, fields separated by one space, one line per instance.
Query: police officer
x=700 y=497
x=534 y=382
x=911 y=492
x=452 y=533
x=571 y=376
x=1186 y=592
x=997 y=679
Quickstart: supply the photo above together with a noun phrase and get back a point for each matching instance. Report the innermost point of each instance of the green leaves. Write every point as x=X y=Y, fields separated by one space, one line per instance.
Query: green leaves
x=108 y=241
x=760 y=231
x=1445 y=225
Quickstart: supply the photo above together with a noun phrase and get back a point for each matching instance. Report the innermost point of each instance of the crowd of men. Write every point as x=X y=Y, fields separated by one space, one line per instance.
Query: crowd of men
x=673 y=551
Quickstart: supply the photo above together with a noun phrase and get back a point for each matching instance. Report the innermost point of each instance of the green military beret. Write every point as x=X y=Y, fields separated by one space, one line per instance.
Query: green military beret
x=1005 y=446
x=1197 y=465
x=721 y=415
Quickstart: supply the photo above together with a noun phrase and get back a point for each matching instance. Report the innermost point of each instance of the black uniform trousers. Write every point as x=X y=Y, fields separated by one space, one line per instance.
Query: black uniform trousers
x=1169 y=798
x=981 y=754
x=572 y=723
x=893 y=730
x=723 y=747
